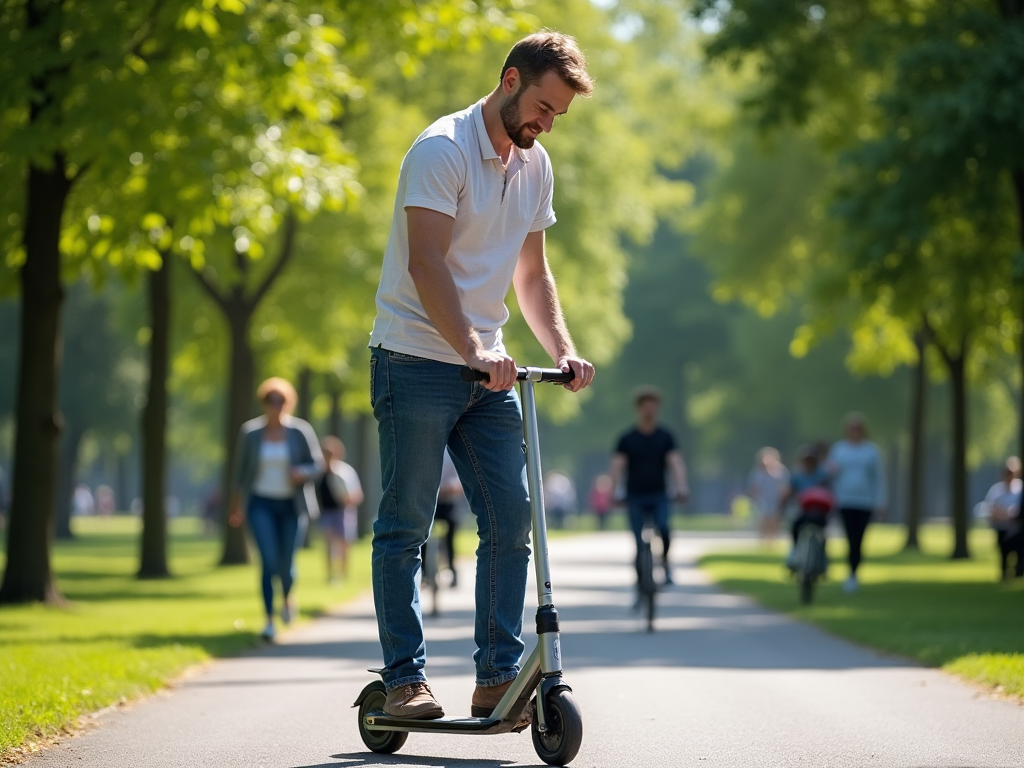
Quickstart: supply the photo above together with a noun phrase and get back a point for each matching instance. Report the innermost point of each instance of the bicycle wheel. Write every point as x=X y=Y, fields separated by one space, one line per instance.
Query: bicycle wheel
x=648 y=588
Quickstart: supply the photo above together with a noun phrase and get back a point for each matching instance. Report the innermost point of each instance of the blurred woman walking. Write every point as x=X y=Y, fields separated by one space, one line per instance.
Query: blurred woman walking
x=276 y=462
x=858 y=483
x=768 y=486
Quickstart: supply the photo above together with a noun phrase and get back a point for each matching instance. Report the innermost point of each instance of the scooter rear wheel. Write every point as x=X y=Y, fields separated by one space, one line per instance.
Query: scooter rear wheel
x=561 y=741
x=382 y=742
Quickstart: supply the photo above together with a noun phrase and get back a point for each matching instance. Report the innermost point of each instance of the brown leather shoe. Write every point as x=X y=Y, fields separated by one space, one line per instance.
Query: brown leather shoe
x=486 y=698
x=413 y=701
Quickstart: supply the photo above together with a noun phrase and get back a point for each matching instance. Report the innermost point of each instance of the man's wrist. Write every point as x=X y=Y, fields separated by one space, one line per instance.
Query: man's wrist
x=472 y=346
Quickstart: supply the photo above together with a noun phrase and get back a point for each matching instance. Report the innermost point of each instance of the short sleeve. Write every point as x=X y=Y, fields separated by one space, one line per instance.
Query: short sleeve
x=622 y=446
x=545 y=211
x=670 y=442
x=435 y=174
x=351 y=477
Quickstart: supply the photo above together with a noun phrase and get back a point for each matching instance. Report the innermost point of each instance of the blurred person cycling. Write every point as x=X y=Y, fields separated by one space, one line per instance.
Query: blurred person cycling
x=642 y=457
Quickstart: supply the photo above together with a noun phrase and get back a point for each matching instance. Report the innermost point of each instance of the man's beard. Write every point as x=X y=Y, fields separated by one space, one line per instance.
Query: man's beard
x=510 y=118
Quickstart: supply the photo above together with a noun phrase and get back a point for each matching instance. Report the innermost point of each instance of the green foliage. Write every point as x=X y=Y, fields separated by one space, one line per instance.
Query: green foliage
x=894 y=131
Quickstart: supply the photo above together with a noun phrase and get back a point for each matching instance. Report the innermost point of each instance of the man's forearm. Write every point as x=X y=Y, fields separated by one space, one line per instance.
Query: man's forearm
x=538 y=300
x=441 y=301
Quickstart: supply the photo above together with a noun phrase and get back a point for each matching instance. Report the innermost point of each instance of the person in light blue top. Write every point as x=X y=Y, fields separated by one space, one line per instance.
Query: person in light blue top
x=858 y=483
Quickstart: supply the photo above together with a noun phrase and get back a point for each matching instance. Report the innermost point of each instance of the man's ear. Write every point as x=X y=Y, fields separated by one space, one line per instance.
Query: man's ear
x=510 y=80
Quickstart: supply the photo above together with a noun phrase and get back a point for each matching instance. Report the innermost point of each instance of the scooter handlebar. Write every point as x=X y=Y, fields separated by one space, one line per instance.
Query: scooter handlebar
x=553 y=375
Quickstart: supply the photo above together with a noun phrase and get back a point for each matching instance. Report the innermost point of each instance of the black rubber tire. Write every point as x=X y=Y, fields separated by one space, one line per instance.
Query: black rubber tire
x=381 y=742
x=561 y=741
x=648 y=587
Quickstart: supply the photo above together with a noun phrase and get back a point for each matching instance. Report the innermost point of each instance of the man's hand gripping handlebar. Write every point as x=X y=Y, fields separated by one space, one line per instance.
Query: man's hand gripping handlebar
x=553 y=375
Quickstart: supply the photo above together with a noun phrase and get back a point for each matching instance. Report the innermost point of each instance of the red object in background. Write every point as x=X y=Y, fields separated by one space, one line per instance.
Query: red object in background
x=816 y=500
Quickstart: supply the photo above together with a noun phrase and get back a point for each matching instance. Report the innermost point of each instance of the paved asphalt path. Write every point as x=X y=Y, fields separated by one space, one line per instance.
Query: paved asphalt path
x=721 y=683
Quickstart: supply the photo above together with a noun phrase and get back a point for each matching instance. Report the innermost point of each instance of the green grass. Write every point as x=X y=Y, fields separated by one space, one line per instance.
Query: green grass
x=120 y=637
x=943 y=613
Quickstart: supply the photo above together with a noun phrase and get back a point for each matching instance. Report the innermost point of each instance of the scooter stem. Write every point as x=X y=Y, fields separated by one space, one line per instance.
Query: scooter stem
x=547 y=618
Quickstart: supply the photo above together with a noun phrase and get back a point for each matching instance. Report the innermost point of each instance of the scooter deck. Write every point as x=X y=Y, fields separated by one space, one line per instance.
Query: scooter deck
x=381 y=721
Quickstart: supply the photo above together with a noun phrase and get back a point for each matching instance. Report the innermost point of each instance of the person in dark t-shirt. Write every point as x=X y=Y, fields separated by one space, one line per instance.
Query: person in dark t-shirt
x=644 y=455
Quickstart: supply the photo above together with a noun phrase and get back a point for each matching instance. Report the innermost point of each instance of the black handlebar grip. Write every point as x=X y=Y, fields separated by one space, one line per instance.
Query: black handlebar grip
x=553 y=375
x=470 y=375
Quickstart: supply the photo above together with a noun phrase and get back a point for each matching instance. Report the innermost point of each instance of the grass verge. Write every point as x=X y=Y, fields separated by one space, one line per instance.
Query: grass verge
x=943 y=613
x=120 y=637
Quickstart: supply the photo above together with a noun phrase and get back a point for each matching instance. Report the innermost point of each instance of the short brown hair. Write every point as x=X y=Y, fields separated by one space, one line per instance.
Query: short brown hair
x=644 y=393
x=281 y=387
x=549 y=50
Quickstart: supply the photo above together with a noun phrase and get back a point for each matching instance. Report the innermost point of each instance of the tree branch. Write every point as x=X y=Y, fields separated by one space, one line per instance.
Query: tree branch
x=145 y=29
x=291 y=226
x=947 y=356
x=211 y=290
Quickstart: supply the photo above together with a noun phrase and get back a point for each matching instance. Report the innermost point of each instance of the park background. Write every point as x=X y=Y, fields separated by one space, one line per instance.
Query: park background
x=776 y=211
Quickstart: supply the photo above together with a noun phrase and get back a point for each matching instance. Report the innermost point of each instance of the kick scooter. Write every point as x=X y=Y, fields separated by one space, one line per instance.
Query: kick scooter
x=557 y=725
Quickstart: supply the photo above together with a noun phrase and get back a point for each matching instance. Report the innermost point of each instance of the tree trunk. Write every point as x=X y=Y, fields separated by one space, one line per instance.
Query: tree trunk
x=238 y=309
x=304 y=390
x=153 y=544
x=918 y=411
x=67 y=463
x=334 y=422
x=958 y=485
x=28 y=576
x=1018 y=186
x=241 y=385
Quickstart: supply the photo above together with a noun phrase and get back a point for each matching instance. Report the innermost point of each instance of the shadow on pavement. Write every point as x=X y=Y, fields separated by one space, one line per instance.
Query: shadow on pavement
x=697 y=626
x=371 y=758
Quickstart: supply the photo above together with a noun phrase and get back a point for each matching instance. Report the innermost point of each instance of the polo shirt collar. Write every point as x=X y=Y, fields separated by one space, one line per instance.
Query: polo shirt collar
x=486 y=148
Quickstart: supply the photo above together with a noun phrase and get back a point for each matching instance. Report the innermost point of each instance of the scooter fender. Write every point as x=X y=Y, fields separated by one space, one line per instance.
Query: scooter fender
x=369 y=688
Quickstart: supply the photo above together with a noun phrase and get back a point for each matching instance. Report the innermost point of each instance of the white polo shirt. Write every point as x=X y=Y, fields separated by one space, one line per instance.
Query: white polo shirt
x=453 y=168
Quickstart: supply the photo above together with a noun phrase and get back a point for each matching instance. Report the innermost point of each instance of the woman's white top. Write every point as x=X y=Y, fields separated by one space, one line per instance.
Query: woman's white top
x=768 y=488
x=272 y=478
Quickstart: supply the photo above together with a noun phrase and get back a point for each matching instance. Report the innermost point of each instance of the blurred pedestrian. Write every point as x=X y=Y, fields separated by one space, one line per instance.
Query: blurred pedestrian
x=768 y=486
x=602 y=496
x=1003 y=504
x=105 y=503
x=341 y=493
x=211 y=511
x=82 y=500
x=449 y=494
x=559 y=498
x=642 y=457
x=276 y=463
x=858 y=484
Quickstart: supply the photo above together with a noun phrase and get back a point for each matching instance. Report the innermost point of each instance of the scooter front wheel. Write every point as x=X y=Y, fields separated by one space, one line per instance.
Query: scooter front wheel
x=562 y=738
x=382 y=742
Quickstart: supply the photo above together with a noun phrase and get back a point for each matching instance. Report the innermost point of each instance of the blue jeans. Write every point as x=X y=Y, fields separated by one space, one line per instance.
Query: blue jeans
x=650 y=506
x=422 y=406
x=278 y=530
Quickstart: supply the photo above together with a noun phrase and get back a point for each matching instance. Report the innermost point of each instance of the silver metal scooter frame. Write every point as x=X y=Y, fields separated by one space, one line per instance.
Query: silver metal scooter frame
x=542 y=672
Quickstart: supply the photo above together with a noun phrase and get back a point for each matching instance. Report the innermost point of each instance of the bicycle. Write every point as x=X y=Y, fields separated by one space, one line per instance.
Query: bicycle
x=646 y=583
x=809 y=560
